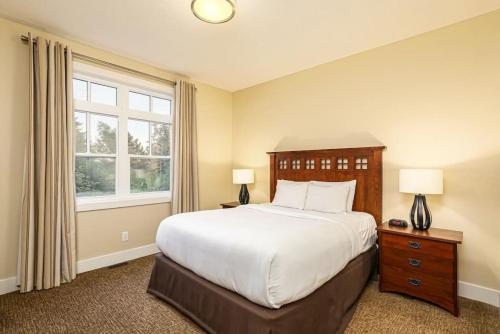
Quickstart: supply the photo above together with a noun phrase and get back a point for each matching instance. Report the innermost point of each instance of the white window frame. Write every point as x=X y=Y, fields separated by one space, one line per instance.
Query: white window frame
x=124 y=83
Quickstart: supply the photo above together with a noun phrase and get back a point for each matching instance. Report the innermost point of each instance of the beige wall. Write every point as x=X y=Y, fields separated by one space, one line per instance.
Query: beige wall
x=433 y=100
x=214 y=145
x=99 y=232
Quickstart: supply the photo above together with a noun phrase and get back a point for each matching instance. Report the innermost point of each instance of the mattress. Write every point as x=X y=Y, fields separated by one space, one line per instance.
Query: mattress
x=267 y=254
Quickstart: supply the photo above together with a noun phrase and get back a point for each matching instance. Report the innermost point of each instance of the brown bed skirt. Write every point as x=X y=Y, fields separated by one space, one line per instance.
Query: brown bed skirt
x=218 y=310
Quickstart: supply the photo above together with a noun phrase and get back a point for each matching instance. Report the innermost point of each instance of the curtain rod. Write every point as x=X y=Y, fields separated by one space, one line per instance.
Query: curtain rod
x=96 y=61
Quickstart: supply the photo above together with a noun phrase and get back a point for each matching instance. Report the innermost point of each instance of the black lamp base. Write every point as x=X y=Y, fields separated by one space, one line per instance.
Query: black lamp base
x=244 y=195
x=423 y=215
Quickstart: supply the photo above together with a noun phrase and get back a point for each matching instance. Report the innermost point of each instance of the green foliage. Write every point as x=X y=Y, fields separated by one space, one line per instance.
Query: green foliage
x=135 y=146
x=106 y=140
x=150 y=174
x=96 y=176
x=160 y=139
x=80 y=137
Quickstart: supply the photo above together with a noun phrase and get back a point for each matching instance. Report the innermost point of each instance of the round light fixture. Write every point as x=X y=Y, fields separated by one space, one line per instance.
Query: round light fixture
x=213 y=11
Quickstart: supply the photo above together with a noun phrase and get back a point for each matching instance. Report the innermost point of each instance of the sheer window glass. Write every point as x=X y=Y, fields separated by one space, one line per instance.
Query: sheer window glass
x=95 y=162
x=102 y=94
x=152 y=140
x=161 y=106
x=138 y=137
x=138 y=101
x=80 y=89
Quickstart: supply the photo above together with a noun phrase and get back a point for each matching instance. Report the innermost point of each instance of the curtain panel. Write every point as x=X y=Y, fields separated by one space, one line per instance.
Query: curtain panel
x=47 y=249
x=185 y=197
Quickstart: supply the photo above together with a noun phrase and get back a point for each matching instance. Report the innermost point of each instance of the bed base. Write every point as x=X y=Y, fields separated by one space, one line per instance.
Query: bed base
x=218 y=310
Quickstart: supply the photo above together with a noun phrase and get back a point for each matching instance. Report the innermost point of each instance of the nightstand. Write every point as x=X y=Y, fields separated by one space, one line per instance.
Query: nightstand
x=230 y=205
x=421 y=264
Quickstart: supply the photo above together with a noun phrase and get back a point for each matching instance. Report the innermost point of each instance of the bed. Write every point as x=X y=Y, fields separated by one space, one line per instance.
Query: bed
x=271 y=269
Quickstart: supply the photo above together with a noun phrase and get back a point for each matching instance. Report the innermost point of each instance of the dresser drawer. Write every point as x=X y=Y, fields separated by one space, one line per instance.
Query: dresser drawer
x=419 y=246
x=418 y=262
x=434 y=289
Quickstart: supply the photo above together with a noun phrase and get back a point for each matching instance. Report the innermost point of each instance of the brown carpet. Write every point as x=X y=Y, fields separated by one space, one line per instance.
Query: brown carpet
x=115 y=301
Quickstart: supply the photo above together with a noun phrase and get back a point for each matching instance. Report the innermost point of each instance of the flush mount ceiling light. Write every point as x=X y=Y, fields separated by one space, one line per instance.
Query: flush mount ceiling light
x=213 y=11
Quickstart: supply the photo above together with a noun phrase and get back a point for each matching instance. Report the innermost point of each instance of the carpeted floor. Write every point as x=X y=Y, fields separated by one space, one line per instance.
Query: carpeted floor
x=115 y=301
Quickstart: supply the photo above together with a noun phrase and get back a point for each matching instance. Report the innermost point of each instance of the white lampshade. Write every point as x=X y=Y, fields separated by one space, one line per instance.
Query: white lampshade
x=243 y=176
x=421 y=181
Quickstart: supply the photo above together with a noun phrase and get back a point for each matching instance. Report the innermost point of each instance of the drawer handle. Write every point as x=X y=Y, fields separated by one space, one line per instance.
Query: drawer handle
x=414 y=262
x=414 y=244
x=414 y=282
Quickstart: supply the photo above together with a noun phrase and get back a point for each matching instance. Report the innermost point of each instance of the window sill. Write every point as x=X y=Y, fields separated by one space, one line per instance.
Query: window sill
x=113 y=202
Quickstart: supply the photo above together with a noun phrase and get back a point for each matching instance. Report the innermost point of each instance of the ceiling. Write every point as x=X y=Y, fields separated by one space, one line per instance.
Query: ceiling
x=266 y=39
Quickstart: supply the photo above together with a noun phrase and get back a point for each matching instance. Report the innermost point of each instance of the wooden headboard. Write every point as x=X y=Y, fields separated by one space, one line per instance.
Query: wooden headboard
x=364 y=164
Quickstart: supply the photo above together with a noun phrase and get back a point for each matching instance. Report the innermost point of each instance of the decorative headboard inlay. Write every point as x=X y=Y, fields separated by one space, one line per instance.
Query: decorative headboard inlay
x=363 y=164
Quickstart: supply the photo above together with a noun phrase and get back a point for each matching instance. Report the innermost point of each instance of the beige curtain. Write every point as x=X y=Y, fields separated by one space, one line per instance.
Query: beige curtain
x=184 y=150
x=47 y=254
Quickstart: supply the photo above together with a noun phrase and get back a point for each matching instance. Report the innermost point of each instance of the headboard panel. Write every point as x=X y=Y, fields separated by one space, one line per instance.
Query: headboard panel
x=363 y=164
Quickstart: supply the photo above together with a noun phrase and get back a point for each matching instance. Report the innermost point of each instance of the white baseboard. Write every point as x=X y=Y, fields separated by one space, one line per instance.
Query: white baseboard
x=479 y=293
x=114 y=258
x=10 y=284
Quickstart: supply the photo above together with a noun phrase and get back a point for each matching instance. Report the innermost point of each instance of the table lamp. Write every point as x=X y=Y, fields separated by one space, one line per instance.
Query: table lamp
x=421 y=182
x=243 y=177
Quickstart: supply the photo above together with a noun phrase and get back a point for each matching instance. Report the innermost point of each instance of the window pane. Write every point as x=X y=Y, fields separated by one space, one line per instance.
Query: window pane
x=94 y=176
x=138 y=137
x=80 y=132
x=102 y=134
x=147 y=175
x=161 y=106
x=102 y=94
x=79 y=89
x=160 y=139
x=138 y=101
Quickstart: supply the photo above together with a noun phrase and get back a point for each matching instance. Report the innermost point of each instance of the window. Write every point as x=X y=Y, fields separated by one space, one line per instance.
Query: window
x=122 y=139
x=149 y=156
x=95 y=162
x=102 y=94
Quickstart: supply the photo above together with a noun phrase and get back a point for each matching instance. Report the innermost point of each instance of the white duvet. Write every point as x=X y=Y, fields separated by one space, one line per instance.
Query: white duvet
x=270 y=255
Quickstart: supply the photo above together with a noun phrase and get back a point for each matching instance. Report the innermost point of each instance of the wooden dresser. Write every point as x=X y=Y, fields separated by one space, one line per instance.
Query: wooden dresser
x=422 y=264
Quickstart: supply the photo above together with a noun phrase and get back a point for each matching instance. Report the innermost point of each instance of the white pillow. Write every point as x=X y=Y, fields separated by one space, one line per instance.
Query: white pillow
x=327 y=199
x=352 y=190
x=291 y=194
